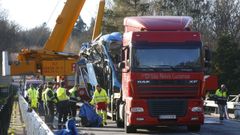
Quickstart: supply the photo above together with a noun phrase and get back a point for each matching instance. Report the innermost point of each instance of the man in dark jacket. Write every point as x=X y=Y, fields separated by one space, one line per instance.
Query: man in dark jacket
x=74 y=98
x=51 y=100
x=40 y=101
x=221 y=100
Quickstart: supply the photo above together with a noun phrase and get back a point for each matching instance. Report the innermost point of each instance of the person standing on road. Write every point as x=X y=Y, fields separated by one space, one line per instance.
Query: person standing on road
x=62 y=105
x=20 y=88
x=50 y=100
x=74 y=98
x=100 y=100
x=221 y=100
x=45 y=102
x=33 y=97
x=40 y=101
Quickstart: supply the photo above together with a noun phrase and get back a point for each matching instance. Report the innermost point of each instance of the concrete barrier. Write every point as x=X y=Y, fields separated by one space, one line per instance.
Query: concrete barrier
x=34 y=124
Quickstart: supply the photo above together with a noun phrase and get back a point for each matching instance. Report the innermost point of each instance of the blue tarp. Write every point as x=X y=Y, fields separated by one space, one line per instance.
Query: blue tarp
x=115 y=36
x=70 y=128
x=89 y=115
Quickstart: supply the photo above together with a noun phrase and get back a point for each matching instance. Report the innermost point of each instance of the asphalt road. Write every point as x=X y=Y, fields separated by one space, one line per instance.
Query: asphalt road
x=212 y=126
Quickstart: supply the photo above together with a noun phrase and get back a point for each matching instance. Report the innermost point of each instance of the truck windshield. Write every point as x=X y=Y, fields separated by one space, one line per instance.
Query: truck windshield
x=167 y=56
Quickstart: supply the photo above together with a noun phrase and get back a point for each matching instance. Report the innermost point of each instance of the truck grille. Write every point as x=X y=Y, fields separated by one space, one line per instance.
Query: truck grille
x=167 y=107
x=190 y=86
x=192 y=83
x=192 y=89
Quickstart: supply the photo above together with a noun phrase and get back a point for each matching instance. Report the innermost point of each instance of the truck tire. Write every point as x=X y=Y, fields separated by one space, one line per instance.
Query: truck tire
x=194 y=128
x=128 y=129
x=120 y=122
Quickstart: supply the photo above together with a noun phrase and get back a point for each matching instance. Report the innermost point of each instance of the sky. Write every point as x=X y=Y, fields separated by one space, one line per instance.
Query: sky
x=32 y=13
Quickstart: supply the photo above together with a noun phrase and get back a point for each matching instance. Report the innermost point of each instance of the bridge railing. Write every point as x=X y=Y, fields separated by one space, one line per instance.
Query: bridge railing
x=34 y=124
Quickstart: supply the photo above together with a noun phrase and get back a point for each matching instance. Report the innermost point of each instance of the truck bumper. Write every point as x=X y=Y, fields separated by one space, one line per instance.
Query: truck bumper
x=191 y=112
x=138 y=120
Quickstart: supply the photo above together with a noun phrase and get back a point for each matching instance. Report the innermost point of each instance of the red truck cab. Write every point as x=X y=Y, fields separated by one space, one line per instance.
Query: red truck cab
x=162 y=73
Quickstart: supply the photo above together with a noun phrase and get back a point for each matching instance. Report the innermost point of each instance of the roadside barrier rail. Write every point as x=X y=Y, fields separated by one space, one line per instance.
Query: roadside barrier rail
x=233 y=103
x=34 y=124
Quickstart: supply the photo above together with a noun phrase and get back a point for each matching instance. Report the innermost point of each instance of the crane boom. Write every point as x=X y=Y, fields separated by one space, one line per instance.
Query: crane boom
x=98 y=22
x=64 y=25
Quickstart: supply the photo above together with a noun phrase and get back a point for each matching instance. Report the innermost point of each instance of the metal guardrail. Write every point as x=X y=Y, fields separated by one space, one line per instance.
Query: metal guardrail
x=34 y=124
x=231 y=102
x=211 y=103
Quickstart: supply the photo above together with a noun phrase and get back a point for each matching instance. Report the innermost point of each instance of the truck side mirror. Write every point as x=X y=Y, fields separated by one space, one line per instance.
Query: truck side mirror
x=207 y=57
x=207 y=54
x=121 y=65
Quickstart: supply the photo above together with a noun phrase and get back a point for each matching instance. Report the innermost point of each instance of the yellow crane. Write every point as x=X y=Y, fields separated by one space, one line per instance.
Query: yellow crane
x=51 y=60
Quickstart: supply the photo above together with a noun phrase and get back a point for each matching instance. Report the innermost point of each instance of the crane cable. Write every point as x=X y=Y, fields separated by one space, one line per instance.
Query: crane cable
x=54 y=9
x=45 y=24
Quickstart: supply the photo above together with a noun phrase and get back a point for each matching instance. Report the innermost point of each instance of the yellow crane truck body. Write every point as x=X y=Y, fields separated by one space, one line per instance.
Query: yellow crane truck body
x=51 y=60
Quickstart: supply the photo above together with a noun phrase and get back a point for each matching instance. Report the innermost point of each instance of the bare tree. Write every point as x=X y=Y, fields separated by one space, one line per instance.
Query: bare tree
x=225 y=18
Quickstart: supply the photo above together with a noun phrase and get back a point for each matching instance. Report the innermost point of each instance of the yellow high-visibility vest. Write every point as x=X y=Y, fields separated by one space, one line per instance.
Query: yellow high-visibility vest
x=99 y=97
x=61 y=94
x=33 y=97
x=32 y=94
x=44 y=96
x=48 y=98
x=72 y=92
x=221 y=93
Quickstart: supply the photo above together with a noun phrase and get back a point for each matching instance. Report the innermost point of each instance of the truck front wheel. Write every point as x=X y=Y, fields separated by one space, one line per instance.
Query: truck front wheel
x=194 y=128
x=128 y=129
x=119 y=121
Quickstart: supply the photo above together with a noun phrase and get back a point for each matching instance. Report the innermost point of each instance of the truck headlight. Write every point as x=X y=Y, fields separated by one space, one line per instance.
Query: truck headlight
x=137 y=109
x=197 y=109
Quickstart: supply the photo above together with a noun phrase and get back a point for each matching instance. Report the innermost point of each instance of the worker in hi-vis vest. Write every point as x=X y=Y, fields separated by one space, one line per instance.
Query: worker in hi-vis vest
x=74 y=97
x=100 y=100
x=45 y=102
x=221 y=100
x=51 y=100
x=62 y=105
x=33 y=97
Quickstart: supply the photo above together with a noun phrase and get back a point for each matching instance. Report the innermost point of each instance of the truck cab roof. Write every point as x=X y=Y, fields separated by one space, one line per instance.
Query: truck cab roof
x=158 y=23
